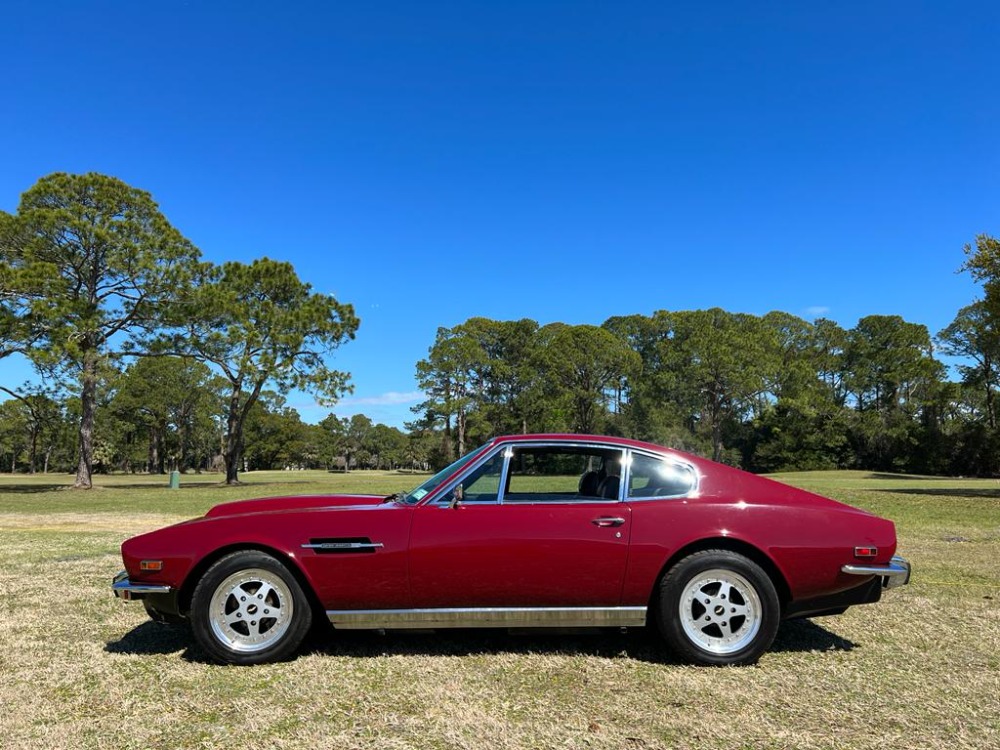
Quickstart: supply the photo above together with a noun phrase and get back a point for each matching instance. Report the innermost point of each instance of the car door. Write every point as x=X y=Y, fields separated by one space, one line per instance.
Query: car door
x=517 y=532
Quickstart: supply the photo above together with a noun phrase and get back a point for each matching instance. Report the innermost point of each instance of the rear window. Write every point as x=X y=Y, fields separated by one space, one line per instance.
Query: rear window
x=659 y=477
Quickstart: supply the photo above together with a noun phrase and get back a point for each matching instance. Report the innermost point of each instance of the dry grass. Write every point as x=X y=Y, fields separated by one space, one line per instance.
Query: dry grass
x=921 y=669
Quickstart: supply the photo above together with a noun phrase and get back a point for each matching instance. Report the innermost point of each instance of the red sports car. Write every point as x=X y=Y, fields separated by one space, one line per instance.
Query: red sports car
x=526 y=531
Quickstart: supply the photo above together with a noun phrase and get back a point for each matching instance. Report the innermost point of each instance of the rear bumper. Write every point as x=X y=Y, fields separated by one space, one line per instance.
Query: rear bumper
x=123 y=588
x=896 y=573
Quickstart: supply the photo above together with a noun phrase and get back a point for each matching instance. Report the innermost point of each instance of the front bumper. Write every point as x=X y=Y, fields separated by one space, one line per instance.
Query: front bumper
x=896 y=573
x=125 y=589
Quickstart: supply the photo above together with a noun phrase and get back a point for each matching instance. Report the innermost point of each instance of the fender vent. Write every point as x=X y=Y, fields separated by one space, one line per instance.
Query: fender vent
x=343 y=545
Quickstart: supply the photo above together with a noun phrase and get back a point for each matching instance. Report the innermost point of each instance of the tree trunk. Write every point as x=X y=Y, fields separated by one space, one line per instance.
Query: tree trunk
x=460 y=419
x=233 y=454
x=154 y=452
x=716 y=443
x=33 y=452
x=88 y=405
x=48 y=454
x=161 y=440
x=446 y=440
x=716 y=413
x=182 y=437
x=990 y=412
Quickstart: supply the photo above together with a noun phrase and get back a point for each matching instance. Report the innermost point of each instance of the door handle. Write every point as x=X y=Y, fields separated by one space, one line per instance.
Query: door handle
x=606 y=521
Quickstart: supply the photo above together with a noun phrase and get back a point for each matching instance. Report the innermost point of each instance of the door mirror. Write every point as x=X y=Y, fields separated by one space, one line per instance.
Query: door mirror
x=457 y=495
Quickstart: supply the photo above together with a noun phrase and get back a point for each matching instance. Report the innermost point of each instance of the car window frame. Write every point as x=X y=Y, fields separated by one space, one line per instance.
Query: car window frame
x=445 y=489
x=438 y=499
x=627 y=476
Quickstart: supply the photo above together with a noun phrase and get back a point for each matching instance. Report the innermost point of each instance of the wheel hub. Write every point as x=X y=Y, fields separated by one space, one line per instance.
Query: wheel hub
x=720 y=611
x=250 y=610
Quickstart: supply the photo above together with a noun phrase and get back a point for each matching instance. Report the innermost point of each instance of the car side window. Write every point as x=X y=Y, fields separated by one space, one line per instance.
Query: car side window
x=561 y=474
x=481 y=486
x=659 y=477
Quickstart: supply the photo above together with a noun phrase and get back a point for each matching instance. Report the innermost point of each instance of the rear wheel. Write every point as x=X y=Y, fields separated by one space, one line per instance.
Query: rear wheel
x=718 y=607
x=248 y=608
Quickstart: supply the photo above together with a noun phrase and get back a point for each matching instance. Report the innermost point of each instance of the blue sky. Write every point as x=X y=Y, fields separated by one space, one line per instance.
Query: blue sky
x=429 y=162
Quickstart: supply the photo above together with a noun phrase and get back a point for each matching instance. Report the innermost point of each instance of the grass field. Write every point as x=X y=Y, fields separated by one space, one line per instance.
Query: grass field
x=921 y=669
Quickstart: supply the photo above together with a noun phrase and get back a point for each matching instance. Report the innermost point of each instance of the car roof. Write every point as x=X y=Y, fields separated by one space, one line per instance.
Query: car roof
x=574 y=438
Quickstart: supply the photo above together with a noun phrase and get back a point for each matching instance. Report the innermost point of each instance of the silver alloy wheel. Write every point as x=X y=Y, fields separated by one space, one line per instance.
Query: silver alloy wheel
x=720 y=611
x=251 y=610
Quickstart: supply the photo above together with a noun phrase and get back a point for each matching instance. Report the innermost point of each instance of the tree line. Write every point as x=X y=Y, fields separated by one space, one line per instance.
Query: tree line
x=151 y=358
x=168 y=413
x=93 y=275
x=767 y=393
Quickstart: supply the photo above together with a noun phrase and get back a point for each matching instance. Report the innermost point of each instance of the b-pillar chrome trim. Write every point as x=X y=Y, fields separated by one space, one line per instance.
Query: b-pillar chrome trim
x=488 y=617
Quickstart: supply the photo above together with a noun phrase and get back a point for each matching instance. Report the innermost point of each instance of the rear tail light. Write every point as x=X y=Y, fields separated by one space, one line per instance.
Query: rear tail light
x=865 y=553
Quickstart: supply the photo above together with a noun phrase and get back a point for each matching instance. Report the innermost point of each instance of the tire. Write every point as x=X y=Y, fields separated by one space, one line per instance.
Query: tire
x=718 y=608
x=248 y=608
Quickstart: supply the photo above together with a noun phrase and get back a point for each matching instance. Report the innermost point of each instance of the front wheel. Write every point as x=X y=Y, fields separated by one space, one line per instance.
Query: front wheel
x=718 y=607
x=248 y=608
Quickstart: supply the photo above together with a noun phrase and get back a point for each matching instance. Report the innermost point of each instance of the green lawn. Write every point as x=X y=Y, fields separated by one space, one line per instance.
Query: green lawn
x=921 y=669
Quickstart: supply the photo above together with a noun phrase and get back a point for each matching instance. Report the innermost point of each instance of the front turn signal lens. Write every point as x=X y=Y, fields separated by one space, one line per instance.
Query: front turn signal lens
x=865 y=553
x=151 y=565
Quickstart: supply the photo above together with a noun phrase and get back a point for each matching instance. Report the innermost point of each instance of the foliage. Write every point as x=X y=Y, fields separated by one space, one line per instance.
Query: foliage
x=91 y=270
x=164 y=414
x=85 y=259
x=766 y=392
x=276 y=437
x=974 y=337
x=258 y=324
x=584 y=370
x=488 y=377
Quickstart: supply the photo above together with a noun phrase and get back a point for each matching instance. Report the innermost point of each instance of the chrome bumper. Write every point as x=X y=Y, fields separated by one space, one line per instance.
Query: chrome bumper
x=125 y=589
x=896 y=573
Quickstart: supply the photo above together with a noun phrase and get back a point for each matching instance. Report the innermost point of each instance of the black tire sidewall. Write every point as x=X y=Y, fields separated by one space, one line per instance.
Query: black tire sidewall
x=677 y=578
x=201 y=601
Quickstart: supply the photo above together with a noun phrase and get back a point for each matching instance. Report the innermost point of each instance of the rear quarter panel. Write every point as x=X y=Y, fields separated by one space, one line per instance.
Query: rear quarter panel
x=807 y=537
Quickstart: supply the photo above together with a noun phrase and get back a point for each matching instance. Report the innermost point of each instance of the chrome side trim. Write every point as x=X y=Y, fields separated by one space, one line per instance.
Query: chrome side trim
x=896 y=573
x=123 y=588
x=344 y=545
x=489 y=617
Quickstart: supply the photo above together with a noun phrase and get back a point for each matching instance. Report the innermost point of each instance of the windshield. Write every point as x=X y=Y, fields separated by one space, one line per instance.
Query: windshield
x=416 y=495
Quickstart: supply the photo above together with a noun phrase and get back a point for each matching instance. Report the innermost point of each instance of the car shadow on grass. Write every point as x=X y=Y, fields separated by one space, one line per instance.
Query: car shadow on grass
x=640 y=644
x=152 y=638
x=611 y=644
x=987 y=494
x=808 y=635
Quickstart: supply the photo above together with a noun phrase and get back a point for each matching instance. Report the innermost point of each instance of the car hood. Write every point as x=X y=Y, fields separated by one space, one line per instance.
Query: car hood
x=297 y=502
